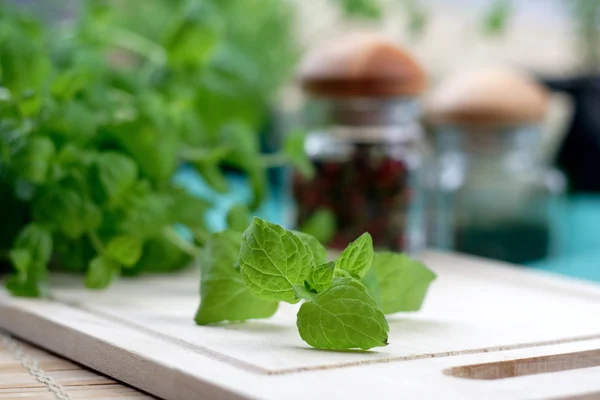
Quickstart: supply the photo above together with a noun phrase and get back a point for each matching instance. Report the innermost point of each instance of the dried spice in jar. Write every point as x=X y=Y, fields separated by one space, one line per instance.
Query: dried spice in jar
x=365 y=142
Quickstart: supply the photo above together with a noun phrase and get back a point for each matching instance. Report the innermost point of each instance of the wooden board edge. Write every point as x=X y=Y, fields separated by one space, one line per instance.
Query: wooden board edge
x=59 y=339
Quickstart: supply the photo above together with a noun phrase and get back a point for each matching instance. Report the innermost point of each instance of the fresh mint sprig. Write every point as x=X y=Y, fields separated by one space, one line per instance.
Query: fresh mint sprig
x=345 y=300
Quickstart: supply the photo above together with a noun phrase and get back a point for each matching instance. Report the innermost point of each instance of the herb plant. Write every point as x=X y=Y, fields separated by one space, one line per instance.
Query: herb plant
x=244 y=276
x=97 y=114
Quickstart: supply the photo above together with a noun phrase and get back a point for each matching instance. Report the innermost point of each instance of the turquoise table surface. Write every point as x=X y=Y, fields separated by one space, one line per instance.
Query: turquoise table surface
x=580 y=237
x=578 y=256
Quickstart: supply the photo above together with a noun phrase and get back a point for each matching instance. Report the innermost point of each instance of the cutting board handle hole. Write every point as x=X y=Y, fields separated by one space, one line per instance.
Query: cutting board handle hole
x=527 y=366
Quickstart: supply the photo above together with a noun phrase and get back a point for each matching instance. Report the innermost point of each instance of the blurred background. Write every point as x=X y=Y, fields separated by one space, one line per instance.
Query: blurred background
x=466 y=125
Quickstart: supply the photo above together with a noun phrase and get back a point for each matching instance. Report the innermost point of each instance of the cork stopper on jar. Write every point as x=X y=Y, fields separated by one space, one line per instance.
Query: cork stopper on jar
x=488 y=97
x=361 y=65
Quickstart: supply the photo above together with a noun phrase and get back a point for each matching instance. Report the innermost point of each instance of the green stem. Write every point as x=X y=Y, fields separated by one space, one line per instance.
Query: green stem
x=138 y=44
x=185 y=246
x=200 y=236
x=96 y=243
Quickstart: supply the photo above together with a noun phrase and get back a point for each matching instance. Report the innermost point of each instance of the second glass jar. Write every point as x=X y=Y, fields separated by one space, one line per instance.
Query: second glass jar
x=495 y=197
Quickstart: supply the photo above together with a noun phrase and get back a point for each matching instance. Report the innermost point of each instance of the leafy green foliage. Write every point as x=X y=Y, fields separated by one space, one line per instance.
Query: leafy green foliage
x=343 y=317
x=30 y=255
x=125 y=249
x=293 y=149
x=35 y=158
x=401 y=282
x=321 y=276
x=96 y=117
x=321 y=225
x=64 y=208
x=304 y=293
x=319 y=251
x=113 y=176
x=187 y=209
x=340 y=311
x=372 y=283
x=238 y=218
x=224 y=296
x=160 y=254
x=102 y=271
x=356 y=259
x=273 y=260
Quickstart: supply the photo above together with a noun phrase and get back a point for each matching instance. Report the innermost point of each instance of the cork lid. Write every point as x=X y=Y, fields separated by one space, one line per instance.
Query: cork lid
x=497 y=96
x=361 y=65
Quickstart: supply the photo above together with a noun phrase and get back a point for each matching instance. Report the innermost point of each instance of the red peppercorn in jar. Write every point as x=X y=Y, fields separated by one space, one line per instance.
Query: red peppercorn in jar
x=365 y=142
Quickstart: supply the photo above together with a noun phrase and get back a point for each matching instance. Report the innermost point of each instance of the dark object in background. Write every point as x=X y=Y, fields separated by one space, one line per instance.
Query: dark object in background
x=365 y=141
x=579 y=156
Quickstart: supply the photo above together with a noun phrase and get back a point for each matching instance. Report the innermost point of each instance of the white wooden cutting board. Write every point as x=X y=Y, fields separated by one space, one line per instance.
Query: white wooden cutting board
x=515 y=321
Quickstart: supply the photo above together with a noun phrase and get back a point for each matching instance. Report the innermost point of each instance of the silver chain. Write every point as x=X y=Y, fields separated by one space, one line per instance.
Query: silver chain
x=32 y=367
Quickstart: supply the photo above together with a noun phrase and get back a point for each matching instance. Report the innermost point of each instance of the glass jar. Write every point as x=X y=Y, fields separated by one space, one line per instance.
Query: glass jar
x=495 y=196
x=368 y=155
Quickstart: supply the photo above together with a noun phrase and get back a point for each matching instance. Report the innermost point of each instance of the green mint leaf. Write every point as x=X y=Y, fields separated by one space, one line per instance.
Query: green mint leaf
x=72 y=122
x=319 y=251
x=101 y=272
x=206 y=162
x=245 y=154
x=113 y=175
x=357 y=257
x=30 y=255
x=74 y=255
x=244 y=150
x=37 y=241
x=372 y=284
x=34 y=160
x=20 y=259
x=125 y=249
x=155 y=152
x=30 y=104
x=147 y=215
x=273 y=260
x=258 y=183
x=27 y=285
x=321 y=225
x=343 y=317
x=403 y=282
x=63 y=207
x=238 y=218
x=293 y=148
x=188 y=209
x=340 y=273
x=302 y=292
x=67 y=84
x=192 y=36
x=213 y=176
x=321 y=276
x=160 y=254
x=224 y=295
